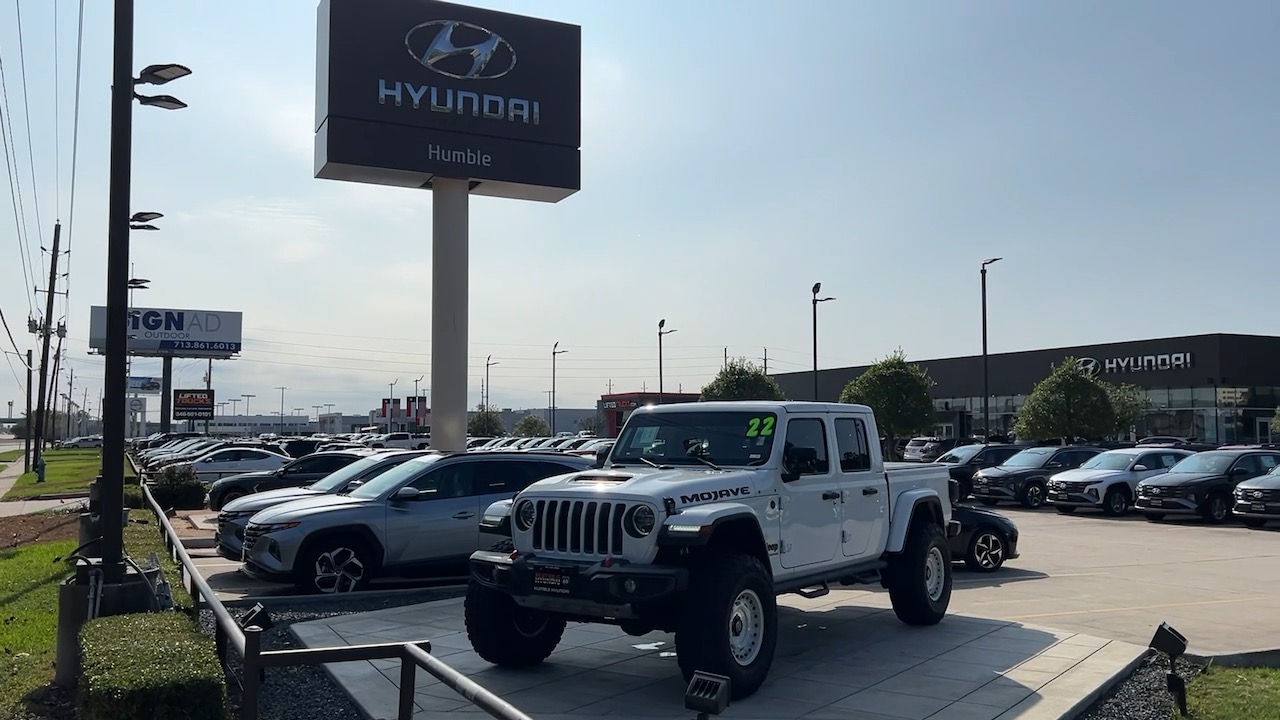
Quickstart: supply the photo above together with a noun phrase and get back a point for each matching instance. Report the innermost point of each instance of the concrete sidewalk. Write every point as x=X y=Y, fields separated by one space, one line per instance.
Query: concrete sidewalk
x=9 y=476
x=838 y=660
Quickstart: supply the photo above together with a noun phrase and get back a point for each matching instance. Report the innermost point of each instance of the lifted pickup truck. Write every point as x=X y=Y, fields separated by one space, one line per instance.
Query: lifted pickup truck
x=699 y=516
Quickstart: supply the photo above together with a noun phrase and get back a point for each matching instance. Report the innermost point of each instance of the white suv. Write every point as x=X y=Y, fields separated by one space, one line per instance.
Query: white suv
x=1109 y=480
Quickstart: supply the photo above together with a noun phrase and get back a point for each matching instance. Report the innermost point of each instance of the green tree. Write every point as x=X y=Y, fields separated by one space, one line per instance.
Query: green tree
x=1275 y=422
x=1067 y=404
x=486 y=422
x=899 y=394
x=741 y=379
x=1128 y=403
x=532 y=426
x=589 y=424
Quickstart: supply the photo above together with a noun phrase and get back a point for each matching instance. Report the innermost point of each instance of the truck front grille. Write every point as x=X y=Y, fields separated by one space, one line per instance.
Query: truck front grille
x=581 y=527
x=251 y=535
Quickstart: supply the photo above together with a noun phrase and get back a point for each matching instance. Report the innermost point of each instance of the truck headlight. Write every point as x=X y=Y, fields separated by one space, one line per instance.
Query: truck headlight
x=640 y=521
x=526 y=514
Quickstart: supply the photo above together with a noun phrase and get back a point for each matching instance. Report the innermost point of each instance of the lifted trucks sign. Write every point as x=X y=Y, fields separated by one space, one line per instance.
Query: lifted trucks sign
x=710 y=495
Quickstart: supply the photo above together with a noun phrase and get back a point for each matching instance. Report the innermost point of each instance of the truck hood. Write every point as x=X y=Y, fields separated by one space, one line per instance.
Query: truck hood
x=1179 y=479
x=270 y=498
x=1090 y=476
x=310 y=507
x=684 y=485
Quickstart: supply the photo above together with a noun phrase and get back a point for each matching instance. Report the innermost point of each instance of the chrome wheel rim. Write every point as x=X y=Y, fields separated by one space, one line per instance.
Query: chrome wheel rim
x=988 y=550
x=746 y=627
x=339 y=570
x=935 y=574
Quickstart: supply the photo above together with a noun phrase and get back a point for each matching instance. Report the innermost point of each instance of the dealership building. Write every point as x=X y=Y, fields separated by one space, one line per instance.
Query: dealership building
x=1218 y=388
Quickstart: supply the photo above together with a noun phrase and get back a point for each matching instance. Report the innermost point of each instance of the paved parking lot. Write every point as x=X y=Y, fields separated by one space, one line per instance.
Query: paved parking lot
x=1115 y=578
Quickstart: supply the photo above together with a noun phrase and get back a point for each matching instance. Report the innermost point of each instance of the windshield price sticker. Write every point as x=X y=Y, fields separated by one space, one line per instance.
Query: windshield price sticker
x=761 y=427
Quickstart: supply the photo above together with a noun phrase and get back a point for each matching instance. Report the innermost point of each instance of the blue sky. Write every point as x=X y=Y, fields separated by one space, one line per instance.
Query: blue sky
x=1122 y=157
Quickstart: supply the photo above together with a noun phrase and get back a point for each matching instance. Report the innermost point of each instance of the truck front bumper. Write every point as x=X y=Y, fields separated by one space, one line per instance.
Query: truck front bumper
x=575 y=587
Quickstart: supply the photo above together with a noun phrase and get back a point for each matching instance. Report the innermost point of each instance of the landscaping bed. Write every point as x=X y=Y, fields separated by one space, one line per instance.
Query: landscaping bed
x=18 y=530
x=1213 y=693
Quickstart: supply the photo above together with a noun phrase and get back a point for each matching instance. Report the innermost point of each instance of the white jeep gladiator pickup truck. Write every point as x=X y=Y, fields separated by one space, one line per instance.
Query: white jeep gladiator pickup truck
x=699 y=516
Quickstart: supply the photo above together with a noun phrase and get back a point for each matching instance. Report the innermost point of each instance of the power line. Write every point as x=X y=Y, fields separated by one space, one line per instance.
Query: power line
x=75 y=152
x=15 y=192
x=57 y=119
x=9 y=332
x=26 y=111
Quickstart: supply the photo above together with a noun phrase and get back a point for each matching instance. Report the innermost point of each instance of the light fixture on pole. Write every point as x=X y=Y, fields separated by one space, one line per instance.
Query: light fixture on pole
x=554 y=352
x=234 y=402
x=142 y=220
x=661 y=324
x=246 y=402
x=986 y=378
x=417 y=411
x=817 y=287
x=391 y=397
x=281 y=388
x=488 y=389
x=317 y=409
x=115 y=367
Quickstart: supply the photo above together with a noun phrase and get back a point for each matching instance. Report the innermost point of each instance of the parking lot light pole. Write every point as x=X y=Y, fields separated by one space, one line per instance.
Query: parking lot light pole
x=488 y=390
x=391 y=396
x=281 y=388
x=246 y=403
x=817 y=287
x=661 y=324
x=986 y=378
x=554 y=352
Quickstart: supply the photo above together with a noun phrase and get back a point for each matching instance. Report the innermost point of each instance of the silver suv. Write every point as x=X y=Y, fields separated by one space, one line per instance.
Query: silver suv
x=229 y=538
x=418 y=517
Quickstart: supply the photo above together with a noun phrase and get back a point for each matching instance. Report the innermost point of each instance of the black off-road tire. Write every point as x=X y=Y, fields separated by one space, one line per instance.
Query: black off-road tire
x=1032 y=495
x=912 y=574
x=729 y=596
x=506 y=634
x=1065 y=509
x=1109 y=504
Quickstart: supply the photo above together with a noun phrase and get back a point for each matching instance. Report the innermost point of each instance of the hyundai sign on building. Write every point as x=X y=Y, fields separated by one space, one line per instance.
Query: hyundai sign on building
x=175 y=332
x=410 y=89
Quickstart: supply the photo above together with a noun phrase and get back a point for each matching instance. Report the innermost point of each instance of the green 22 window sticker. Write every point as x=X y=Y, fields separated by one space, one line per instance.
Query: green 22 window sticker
x=761 y=427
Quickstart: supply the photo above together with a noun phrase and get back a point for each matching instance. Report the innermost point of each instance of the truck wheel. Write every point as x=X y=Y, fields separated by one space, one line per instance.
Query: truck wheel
x=506 y=634
x=1033 y=495
x=334 y=565
x=730 y=627
x=920 y=576
x=1115 y=502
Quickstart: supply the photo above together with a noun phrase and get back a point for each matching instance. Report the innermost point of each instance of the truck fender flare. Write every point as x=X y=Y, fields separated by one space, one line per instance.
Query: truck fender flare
x=496 y=519
x=904 y=514
x=697 y=527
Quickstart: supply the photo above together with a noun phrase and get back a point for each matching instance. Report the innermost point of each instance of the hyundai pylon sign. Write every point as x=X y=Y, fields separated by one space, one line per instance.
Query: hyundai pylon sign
x=410 y=89
x=170 y=331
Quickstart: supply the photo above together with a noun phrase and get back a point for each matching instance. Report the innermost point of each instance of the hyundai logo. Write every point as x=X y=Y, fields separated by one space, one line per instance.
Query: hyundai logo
x=1089 y=365
x=488 y=57
x=1257 y=494
x=1154 y=491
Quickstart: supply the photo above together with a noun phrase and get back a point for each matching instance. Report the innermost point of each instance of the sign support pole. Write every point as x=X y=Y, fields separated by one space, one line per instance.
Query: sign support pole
x=449 y=288
x=166 y=395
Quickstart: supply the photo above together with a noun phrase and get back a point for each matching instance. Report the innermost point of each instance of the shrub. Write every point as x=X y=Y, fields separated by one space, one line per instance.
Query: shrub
x=133 y=497
x=179 y=489
x=149 y=665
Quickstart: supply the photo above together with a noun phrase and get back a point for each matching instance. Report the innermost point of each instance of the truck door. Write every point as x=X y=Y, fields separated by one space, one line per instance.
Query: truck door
x=810 y=504
x=863 y=516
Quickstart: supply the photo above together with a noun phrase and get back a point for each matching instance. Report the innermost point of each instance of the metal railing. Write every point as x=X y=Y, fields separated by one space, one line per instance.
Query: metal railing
x=247 y=643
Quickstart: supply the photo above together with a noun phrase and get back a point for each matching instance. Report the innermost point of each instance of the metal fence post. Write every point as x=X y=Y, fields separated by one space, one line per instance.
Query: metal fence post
x=408 y=675
x=250 y=682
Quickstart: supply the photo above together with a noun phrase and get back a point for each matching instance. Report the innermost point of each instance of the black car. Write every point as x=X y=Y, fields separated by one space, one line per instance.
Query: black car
x=1258 y=499
x=969 y=459
x=299 y=447
x=298 y=473
x=1023 y=477
x=1203 y=484
x=986 y=540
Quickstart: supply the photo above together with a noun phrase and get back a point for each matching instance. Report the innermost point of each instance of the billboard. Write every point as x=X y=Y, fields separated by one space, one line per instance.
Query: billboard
x=157 y=332
x=410 y=89
x=144 y=385
x=192 y=404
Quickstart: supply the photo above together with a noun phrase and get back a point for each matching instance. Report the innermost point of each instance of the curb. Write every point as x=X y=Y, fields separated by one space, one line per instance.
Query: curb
x=1106 y=686
x=197 y=543
x=78 y=495
x=266 y=600
x=1238 y=658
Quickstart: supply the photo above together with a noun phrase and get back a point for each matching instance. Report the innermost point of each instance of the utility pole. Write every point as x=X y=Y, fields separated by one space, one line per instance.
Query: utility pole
x=766 y=361
x=84 y=405
x=391 y=405
x=71 y=381
x=488 y=388
x=45 y=330
x=281 y=388
x=31 y=428
x=208 y=385
x=610 y=386
x=726 y=358
x=51 y=431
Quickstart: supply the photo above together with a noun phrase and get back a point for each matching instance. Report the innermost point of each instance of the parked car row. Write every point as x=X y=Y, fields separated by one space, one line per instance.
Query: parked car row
x=82 y=442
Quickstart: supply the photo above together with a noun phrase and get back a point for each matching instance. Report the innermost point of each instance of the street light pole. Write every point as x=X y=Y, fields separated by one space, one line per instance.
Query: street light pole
x=391 y=405
x=488 y=389
x=661 y=324
x=816 y=288
x=986 y=378
x=417 y=410
x=554 y=352
x=246 y=403
x=281 y=388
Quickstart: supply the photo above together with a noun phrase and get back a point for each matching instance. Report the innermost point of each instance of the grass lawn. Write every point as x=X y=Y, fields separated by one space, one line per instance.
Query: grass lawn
x=140 y=540
x=10 y=455
x=66 y=471
x=29 y=608
x=1223 y=693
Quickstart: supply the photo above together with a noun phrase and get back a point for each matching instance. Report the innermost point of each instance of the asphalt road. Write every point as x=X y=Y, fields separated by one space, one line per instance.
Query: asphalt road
x=1113 y=578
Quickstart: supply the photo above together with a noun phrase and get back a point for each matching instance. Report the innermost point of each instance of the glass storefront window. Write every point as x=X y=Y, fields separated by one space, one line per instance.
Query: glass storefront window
x=1179 y=397
x=1202 y=397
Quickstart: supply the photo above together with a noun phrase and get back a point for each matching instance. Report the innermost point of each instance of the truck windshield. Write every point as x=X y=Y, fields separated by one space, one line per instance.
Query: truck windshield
x=724 y=438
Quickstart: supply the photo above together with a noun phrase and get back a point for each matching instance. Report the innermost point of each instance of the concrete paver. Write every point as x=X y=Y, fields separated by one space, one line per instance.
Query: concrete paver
x=836 y=658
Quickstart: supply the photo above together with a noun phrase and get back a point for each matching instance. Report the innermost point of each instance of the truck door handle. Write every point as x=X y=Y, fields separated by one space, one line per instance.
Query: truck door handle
x=870 y=490
x=831 y=495
x=464 y=515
